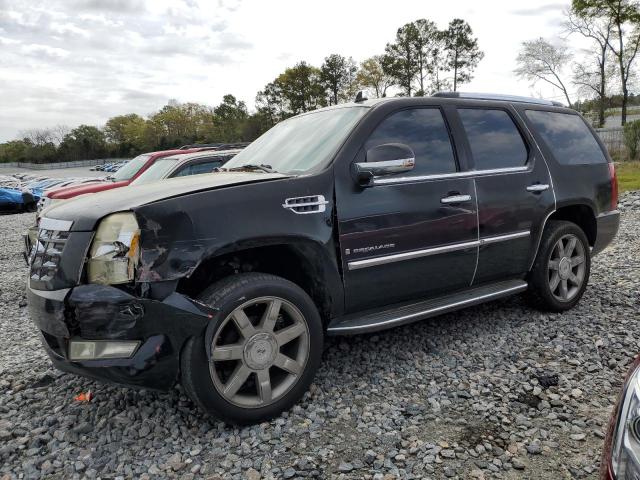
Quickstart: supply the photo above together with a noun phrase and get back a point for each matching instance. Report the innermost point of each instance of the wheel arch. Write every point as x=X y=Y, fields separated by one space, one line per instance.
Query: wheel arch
x=582 y=214
x=310 y=265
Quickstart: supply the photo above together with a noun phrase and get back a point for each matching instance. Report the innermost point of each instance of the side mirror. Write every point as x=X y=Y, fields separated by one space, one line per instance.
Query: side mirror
x=385 y=159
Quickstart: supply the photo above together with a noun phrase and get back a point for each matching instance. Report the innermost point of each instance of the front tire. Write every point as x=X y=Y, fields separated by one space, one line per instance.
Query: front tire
x=261 y=353
x=561 y=270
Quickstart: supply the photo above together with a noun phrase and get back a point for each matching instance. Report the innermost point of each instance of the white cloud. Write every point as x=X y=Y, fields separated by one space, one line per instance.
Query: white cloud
x=37 y=50
x=82 y=61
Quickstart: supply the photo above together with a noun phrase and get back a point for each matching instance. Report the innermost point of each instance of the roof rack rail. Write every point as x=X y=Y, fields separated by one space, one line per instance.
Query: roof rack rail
x=498 y=96
x=215 y=146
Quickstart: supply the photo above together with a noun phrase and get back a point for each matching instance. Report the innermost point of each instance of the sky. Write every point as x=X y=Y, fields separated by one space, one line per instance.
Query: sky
x=71 y=62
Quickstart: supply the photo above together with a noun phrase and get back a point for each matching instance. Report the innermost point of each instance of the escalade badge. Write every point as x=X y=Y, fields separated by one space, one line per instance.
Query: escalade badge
x=372 y=248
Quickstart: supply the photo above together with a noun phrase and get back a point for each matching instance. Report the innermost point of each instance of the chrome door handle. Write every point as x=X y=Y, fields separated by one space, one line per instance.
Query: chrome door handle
x=538 y=187
x=456 y=199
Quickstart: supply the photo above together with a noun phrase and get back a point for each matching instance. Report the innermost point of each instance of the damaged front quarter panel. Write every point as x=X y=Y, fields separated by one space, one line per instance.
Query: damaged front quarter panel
x=164 y=254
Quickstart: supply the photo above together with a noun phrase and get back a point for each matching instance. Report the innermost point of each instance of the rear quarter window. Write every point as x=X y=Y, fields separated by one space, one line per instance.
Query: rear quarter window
x=494 y=139
x=567 y=136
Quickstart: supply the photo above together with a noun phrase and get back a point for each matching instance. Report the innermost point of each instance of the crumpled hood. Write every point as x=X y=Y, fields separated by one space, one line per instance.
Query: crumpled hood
x=85 y=211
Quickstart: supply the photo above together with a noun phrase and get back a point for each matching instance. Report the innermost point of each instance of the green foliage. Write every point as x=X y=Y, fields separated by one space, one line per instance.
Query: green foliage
x=401 y=57
x=14 y=151
x=372 y=75
x=125 y=134
x=83 y=142
x=421 y=53
x=297 y=90
x=338 y=76
x=632 y=138
x=230 y=119
x=463 y=54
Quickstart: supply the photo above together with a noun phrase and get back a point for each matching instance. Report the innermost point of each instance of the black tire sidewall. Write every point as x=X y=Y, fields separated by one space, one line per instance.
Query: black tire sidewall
x=541 y=291
x=225 y=296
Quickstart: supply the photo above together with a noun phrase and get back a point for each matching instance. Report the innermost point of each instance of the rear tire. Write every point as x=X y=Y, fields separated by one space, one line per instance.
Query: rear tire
x=561 y=270
x=261 y=352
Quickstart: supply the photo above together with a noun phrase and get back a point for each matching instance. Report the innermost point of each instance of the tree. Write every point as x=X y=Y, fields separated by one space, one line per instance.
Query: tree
x=463 y=54
x=270 y=103
x=425 y=40
x=83 y=143
x=624 y=15
x=115 y=128
x=14 y=151
x=439 y=66
x=539 y=60
x=39 y=136
x=301 y=88
x=58 y=133
x=337 y=74
x=408 y=59
x=631 y=136
x=400 y=58
x=124 y=133
x=230 y=117
x=592 y=80
x=372 y=75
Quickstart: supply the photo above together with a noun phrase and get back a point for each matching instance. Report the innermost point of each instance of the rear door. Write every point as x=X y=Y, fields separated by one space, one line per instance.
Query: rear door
x=410 y=235
x=513 y=187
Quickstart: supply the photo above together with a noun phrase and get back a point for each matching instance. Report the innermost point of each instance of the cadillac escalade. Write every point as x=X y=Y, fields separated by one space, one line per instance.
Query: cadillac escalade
x=344 y=220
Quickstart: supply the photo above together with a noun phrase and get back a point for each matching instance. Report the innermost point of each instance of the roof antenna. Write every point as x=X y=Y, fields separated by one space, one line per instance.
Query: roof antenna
x=360 y=97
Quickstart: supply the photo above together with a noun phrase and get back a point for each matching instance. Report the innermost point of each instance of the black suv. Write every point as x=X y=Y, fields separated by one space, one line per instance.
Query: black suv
x=344 y=220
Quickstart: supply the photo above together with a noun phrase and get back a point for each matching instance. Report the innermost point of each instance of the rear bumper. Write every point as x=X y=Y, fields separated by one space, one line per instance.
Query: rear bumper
x=96 y=312
x=607 y=228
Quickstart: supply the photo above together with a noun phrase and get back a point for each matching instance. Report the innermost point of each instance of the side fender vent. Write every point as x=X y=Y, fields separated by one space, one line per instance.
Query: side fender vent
x=304 y=205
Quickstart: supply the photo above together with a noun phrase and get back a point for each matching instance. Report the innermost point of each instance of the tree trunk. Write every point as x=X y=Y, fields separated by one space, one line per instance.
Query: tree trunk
x=455 y=71
x=603 y=85
x=623 y=78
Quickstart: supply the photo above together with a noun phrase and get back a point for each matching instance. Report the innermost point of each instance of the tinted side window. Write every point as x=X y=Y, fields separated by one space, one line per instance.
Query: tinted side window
x=422 y=129
x=494 y=138
x=567 y=136
x=198 y=168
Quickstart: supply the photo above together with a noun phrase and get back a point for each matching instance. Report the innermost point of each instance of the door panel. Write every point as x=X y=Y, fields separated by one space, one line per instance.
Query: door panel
x=514 y=192
x=509 y=220
x=398 y=239
x=385 y=222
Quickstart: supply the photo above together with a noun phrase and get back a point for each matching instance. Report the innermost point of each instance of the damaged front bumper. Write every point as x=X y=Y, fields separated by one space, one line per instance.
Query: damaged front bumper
x=105 y=313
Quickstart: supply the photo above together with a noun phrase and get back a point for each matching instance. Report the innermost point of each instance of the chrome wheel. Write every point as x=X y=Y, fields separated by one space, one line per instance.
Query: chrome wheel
x=567 y=268
x=259 y=352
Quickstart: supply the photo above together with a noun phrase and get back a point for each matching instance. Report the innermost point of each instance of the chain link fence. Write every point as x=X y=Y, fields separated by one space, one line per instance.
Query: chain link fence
x=614 y=141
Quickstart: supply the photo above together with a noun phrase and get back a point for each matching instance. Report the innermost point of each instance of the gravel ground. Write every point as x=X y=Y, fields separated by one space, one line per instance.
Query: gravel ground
x=496 y=391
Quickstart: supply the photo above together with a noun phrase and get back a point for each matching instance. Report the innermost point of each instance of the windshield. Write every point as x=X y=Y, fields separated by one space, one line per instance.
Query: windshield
x=160 y=169
x=130 y=168
x=302 y=143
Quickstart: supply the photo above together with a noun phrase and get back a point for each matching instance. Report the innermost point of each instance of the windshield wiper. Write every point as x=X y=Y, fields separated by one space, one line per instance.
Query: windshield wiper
x=251 y=167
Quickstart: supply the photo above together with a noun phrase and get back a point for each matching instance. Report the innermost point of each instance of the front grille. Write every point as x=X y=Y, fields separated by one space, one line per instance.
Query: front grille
x=46 y=254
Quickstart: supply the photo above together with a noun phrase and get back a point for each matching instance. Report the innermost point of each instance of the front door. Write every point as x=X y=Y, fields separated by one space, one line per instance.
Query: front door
x=514 y=191
x=411 y=235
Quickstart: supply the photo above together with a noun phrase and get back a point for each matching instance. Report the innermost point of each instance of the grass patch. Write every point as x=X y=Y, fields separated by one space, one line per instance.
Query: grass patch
x=628 y=175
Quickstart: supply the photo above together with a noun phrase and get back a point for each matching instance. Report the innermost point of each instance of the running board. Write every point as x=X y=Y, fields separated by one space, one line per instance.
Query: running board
x=403 y=313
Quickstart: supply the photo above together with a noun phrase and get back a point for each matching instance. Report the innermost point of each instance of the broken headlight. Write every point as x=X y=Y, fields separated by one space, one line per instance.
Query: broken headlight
x=625 y=454
x=115 y=250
